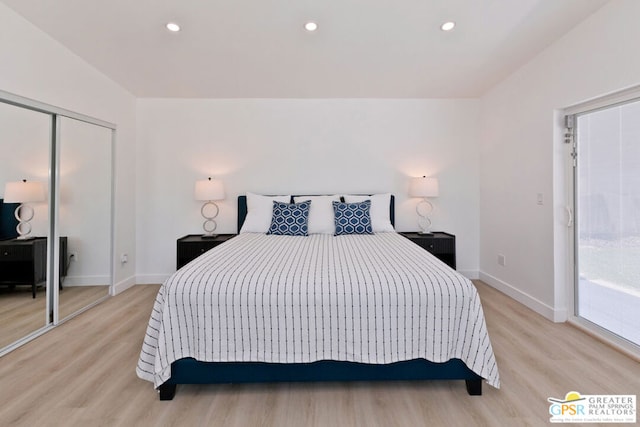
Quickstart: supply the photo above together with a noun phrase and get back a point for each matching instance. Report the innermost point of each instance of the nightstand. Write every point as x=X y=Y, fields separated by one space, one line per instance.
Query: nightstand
x=440 y=244
x=193 y=245
x=24 y=262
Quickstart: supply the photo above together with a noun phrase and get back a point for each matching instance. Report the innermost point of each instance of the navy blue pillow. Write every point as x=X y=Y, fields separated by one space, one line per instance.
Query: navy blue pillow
x=290 y=219
x=352 y=218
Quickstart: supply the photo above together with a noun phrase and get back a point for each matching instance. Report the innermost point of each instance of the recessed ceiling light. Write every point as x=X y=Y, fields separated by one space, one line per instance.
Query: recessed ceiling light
x=172 y=26
x=448 y=26
x=310 y=26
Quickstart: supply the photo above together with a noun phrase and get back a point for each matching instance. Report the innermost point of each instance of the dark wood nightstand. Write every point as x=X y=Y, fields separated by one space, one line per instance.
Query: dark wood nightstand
x=24 y=262
x=193 y=245
x=440 y=244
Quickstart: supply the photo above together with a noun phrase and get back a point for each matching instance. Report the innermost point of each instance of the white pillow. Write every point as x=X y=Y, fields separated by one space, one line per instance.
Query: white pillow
x=321 y=217
x=380 y=221
x=259 y=212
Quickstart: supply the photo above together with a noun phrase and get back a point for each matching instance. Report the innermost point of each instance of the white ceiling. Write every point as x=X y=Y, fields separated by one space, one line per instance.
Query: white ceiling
x=259 y=48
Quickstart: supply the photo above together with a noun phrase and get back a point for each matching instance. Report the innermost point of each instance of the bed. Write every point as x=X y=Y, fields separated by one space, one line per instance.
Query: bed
x=263 y=308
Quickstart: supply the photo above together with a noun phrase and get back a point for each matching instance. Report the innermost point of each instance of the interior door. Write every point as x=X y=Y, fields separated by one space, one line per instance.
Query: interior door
x=607 y=232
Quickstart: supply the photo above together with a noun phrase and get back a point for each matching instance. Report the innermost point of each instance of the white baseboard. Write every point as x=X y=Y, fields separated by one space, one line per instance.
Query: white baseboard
x=123 y=285
x=86 y=280
x=151 y=279
x=524 y=298
x=470 y=274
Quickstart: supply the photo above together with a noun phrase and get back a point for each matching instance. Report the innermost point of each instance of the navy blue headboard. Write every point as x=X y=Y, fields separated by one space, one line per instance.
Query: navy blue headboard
x=242 y=210
x=8 y=221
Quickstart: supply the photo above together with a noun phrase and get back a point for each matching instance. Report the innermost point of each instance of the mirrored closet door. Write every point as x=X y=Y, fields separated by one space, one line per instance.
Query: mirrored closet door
x=25 y=137
x=56 y=256
x=84 y=219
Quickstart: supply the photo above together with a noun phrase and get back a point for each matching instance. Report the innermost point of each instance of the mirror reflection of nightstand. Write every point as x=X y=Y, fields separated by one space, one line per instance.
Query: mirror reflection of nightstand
x=24 y=262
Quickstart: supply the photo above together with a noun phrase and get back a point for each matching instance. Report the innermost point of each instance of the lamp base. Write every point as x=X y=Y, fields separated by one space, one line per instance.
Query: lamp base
x=24 y=214
x=424 y=222
x=24 y=237
x=209 y=225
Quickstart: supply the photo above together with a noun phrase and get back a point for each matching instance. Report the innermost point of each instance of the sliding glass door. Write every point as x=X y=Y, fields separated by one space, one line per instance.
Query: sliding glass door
x=607 y=233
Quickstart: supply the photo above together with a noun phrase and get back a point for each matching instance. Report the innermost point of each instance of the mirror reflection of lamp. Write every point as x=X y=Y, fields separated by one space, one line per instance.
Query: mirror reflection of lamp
x=24 y=192
x=209 y=190
x=424 y=187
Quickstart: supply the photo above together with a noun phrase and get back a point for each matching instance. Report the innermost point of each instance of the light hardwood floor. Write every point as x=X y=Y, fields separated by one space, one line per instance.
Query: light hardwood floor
x=20 y=314
x=83 y=374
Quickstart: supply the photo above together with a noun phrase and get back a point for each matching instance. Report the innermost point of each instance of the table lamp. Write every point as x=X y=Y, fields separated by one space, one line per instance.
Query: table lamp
x=424 y=187
x=24 y=192
x=209 y=190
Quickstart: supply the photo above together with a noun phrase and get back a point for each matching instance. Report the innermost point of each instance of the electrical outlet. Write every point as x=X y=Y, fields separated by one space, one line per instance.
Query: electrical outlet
x=73 y=256
x=502 y=260
x=124 y=258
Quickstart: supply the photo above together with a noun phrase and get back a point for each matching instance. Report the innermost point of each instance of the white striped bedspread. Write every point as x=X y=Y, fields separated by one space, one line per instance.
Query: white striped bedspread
x=289 y=299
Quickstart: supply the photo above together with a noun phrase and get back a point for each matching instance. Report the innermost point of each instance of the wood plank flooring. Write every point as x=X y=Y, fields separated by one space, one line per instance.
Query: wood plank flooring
x=20 y=314
x=83 y=374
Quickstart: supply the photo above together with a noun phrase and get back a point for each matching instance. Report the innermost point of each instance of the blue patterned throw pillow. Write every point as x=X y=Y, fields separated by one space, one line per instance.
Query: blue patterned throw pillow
x=352 y=218
x=290 y=219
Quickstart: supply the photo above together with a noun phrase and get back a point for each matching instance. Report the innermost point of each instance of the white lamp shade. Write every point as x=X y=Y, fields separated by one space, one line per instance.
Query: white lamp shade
x=424 y=187
x=209 y=189
x=24 y=192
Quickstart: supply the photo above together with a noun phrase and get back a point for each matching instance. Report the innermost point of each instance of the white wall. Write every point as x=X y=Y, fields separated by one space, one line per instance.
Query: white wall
x=35 y=66
x=522 y=153
x=301 y=146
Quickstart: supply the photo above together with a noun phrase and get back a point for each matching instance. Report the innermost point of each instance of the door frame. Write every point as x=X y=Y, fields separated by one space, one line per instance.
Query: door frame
x=570 y=218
